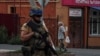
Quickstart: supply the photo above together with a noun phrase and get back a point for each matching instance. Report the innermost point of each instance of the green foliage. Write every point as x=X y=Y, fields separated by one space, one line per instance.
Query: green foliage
x=15 y=40
x=5 y=39
x=3 y=35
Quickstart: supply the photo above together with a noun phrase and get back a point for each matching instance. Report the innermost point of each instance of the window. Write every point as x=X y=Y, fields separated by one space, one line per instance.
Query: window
x=12 y=9
x=94 y=26
x=99 y=26
x=99 y=13
x=94 y=13
x=94 y=22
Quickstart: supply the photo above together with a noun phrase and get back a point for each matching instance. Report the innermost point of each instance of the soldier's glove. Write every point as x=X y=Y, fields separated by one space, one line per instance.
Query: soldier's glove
x=37 y=35
x=46 y=34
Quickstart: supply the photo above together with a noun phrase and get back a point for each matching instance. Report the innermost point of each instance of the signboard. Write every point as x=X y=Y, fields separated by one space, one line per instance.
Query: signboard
x=81 y=2
x=75 y=12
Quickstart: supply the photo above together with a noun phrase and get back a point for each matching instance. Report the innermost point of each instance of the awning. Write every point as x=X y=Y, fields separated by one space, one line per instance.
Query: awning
x=81 y=2
x=96 y=8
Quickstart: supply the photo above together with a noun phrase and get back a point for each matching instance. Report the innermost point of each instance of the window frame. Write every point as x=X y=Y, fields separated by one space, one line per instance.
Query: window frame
x=91 y=17
x=12 y=9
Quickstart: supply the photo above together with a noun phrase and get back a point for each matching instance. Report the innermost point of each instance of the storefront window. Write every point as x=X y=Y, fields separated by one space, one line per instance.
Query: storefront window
x=90 y=28
x=99 y=26
x=95 y=26
x=99 y=13
x=94 y=22
x=94 y=13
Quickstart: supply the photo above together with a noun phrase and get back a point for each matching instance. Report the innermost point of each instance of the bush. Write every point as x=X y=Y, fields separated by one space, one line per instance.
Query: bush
x=3 y=35
x=4 y=38
x=15 y=39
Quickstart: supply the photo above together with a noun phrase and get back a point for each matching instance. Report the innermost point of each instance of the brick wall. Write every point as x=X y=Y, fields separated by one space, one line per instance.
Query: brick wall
x=22 y=9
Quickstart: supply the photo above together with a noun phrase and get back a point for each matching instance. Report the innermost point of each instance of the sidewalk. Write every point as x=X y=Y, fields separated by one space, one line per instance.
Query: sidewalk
x=7 y=48
x=76 y=51
x=85 y=52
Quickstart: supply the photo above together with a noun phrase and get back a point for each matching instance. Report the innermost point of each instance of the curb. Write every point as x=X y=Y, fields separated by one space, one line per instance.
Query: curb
x=20 y=54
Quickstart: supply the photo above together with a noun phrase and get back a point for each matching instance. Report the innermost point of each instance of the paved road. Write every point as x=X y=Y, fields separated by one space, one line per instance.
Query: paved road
x=85 y=52
x=77 y=52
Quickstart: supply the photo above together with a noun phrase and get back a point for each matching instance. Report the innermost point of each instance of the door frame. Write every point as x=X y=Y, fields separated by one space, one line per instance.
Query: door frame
x=82 y=19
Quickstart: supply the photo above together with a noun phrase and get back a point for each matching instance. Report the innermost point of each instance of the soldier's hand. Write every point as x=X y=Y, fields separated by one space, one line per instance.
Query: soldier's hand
x=37 y=35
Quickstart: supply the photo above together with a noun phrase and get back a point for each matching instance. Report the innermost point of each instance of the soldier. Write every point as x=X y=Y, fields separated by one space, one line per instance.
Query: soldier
x=34 y=35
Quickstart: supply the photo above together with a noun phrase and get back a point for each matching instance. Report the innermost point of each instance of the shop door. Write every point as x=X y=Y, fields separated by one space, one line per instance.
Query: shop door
x=76 y=32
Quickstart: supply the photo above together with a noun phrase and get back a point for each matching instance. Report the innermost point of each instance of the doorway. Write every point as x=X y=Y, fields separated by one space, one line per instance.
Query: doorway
x=76 y=32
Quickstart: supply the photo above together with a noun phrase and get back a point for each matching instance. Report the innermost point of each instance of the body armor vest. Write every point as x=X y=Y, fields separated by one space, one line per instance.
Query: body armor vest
x=37 y=41
x=36 y=27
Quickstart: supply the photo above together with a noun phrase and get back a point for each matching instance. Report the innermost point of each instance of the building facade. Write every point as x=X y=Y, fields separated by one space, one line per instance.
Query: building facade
x=83 y=22
x=80 y=16
x=22 y=8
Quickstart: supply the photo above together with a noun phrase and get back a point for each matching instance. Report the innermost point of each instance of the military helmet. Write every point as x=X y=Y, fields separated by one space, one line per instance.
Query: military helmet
x=35 y=11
